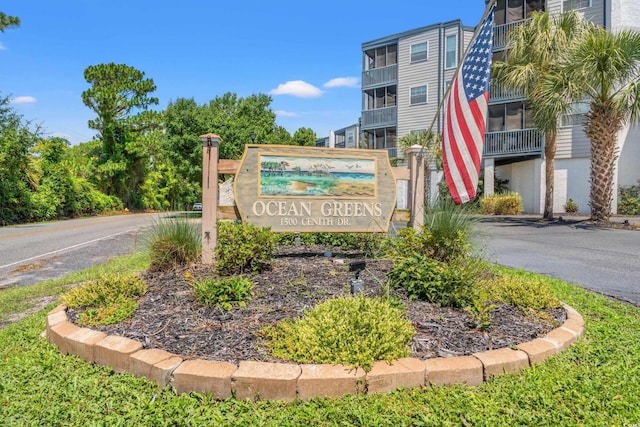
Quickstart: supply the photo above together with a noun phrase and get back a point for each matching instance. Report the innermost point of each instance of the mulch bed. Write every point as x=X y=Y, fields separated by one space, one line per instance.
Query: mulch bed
x=299 y=278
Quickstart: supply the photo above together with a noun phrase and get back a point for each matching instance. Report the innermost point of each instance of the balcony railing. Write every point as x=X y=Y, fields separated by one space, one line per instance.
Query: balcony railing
x=380 y=76
x=523 y=142
x=501 y=33
x=499 y=93
x=380 y=117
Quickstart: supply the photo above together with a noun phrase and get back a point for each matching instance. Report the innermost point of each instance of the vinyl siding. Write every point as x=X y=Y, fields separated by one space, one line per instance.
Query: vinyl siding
x=430 y=72
x=572 y=143
x=595 y=13
x=414 y=117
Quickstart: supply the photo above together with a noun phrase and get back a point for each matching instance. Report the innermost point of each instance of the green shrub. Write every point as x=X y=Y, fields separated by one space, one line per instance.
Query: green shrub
x=431 y=280
x=104 y=291
x=571 y=206
x=629 y=200
x=223 y=292
x=174 y=242
x=480 y=308
x=353 y=331
x=408 y=242
x=45 y=204
x=525 y=293
x=445 y=237
x=115 y=312
x=242 y=248
x=107 y=300
x=370 y=243
x=501 y=204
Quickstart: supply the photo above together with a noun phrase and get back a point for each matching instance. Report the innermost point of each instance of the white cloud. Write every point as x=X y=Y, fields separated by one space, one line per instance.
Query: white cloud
x=297 y=88
x=283 y=113
x=2 y=47
x=23 y=100
x=343 y=82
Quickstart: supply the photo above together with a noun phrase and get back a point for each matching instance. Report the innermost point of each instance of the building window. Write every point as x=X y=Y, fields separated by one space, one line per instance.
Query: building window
x=509 y=117
x=380 y=97
x=382 y=138
x=516 y=10
x=451 y=52
x=418 y=95
x=419 y=52
x=575 y=4
x=381 y=57
x=576 y=115
x=350 y=138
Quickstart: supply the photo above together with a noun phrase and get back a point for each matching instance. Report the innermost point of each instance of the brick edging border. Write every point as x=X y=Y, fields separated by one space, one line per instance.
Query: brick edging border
x=287 y=381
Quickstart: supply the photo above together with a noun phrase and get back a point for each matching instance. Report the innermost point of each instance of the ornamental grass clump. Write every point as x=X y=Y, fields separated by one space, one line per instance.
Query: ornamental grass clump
x=174 y=243
x=107 y=300
x=353 y=331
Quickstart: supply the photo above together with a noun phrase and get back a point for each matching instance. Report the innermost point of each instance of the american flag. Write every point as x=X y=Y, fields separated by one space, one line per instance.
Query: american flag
x=466 y=115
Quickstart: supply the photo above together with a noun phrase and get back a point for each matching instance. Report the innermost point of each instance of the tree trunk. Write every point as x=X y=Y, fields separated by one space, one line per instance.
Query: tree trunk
x=603 y=125
x=550 y=143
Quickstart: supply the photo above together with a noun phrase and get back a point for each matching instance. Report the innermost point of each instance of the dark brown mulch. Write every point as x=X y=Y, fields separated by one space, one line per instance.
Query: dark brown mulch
x=299 y=278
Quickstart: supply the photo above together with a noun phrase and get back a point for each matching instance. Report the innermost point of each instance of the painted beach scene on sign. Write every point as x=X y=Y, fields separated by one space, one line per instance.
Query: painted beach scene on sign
x=317 y=176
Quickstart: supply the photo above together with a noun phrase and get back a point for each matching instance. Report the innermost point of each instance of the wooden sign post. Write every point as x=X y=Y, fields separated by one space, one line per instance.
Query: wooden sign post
x=210 y=144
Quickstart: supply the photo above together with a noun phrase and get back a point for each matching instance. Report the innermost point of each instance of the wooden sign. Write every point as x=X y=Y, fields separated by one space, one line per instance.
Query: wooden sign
x=309 y=189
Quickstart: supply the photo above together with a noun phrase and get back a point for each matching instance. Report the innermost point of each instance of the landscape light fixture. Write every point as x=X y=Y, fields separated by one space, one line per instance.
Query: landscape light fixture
x=253 y=137
x=357 y=284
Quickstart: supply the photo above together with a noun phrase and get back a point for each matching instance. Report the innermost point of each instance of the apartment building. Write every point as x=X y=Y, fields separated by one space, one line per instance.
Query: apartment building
x=514 y=148
x=405 y=76
x=347 y=137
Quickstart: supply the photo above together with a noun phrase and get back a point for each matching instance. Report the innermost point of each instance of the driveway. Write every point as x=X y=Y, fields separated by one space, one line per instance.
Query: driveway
x=603 y=260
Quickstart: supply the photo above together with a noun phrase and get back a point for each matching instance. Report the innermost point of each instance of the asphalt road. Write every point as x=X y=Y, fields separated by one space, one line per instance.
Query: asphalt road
x=603 y=260
x=33 y=252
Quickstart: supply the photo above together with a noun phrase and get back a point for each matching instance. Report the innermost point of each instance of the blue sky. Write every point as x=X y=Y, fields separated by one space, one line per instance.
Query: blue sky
x=305 y=54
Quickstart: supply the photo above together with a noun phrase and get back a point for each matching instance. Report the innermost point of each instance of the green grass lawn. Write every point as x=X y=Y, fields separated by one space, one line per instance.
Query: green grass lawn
x=596 y=382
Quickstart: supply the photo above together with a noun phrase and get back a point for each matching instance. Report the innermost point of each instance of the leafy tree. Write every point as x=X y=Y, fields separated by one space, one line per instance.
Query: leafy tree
x=8 y=21
x=55 y=195
x=234 y=118
x=83 y=158
x=604 y=69
x=120 y=96
x=304 y=137
x=180 y=160
x=537 y=49
x=280 y=136
x=18 y=175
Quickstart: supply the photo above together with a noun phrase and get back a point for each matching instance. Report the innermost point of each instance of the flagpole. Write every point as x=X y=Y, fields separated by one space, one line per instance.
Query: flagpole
x=466 y=51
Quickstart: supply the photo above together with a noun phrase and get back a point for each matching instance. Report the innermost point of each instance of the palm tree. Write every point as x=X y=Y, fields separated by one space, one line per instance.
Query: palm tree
x=536 y=49
x=604 y=70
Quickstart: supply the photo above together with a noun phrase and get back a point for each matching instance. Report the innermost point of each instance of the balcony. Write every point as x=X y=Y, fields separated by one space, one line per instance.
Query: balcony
x=525 y=142
x=499 y=93
x=380 y=76
x=501 y=34
x=380 y=117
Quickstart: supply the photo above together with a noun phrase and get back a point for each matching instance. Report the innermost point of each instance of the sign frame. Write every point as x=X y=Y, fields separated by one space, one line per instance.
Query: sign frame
x=315 y=189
